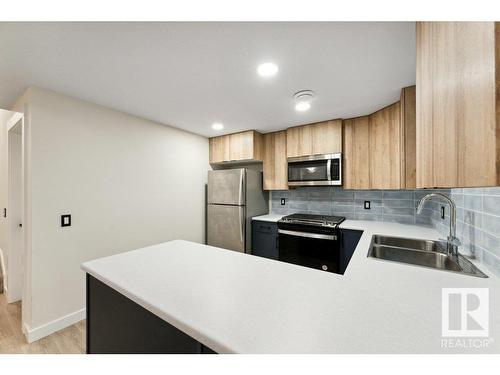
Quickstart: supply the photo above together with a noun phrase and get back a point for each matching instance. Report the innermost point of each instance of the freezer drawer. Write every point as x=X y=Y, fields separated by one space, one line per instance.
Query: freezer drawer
x=226 y=187
x=226 y=227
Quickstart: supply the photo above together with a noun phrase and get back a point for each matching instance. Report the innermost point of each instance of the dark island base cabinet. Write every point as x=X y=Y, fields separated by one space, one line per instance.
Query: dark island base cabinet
x=117 y=325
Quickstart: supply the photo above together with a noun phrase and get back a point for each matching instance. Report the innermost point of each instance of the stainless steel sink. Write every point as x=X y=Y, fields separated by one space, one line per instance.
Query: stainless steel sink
x=424 y=253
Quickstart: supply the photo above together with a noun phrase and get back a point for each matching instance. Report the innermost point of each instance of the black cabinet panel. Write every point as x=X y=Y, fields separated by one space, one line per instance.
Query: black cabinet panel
x=265 y=239
x=117 y=325
x=350 y=239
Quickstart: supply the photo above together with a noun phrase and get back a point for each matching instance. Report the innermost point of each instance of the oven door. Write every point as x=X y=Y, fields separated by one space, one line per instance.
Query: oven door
x=313 y=250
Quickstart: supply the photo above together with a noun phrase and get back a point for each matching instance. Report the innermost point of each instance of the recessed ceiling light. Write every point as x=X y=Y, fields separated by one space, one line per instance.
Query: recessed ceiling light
x=302 y=106
x=217 y=126
x=303 y=100
x=268 y=69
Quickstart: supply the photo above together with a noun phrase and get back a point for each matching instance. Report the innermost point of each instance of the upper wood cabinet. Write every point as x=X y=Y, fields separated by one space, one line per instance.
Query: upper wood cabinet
x=379 y=149
x=458 y=106
x=408 y=135
x=357 y=153
x=312 y=139
x=385 y=148
x=299 y=141
x=218 y=149
x=326 y=137
x=274 y=163
x=243 y=146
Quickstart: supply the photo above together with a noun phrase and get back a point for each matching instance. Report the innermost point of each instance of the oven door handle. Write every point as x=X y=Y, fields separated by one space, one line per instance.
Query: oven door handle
x=330 y=237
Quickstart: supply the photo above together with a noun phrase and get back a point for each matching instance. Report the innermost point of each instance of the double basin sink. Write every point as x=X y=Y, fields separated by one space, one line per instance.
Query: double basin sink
x=424 y=253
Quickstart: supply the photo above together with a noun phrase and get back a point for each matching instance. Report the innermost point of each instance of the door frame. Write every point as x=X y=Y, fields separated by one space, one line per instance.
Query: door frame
x=11 y=123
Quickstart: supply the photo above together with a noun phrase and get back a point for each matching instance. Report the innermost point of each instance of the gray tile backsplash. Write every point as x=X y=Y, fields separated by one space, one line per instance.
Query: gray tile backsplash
x=478 y=212
x=478 y=224
x=385 y=205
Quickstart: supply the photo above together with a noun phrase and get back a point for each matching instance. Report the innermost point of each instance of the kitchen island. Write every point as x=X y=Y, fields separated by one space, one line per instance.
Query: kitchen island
x=229 y=302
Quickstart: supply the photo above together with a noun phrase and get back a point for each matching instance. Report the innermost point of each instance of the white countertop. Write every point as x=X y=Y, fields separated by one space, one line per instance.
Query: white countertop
x=239 y=303
x=268 y=217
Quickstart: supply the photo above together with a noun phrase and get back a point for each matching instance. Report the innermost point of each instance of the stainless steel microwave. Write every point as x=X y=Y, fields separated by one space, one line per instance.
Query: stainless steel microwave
x=315 y=170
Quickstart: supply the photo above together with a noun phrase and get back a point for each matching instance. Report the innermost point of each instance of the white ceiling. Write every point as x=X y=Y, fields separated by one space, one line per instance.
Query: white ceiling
x=190 y=75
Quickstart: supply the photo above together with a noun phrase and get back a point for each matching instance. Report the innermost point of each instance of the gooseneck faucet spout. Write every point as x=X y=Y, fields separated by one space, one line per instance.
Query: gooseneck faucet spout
x=452 y=241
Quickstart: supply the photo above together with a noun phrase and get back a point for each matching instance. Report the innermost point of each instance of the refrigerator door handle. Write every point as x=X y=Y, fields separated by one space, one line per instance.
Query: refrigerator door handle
x=242 y=227
x=242 y=178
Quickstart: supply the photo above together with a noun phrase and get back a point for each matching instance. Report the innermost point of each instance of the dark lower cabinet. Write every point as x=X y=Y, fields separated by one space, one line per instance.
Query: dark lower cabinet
x=117 y=325
x=265 y=239
x=349 y=241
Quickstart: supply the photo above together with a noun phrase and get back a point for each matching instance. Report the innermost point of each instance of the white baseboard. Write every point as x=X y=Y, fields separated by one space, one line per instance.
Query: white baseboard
x=34 y=334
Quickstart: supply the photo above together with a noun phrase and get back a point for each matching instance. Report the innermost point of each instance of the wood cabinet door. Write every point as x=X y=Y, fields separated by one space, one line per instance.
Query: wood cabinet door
x=218 y=149
x=326 y=137
x=241 y=146
x=385 y=148
x=246 y=145
x=274 y=161
x=356 y=148
x=299 y=141
x=457 y=129
x=408 y=129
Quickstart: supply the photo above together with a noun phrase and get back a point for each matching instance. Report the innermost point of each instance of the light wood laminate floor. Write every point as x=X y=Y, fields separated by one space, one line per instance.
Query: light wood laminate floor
x=70 y=340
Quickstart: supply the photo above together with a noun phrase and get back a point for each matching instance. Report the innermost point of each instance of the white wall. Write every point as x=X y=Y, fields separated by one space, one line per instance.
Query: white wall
x=126 y=181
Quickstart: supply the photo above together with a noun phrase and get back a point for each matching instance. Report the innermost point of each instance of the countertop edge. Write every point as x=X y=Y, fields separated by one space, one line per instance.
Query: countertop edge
x=177 y=323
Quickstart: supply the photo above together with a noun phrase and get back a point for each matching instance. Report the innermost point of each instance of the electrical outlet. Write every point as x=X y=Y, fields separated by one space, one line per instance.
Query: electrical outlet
x=65 y=220
x=367 y=205
x=442 y=212
x=283 y=201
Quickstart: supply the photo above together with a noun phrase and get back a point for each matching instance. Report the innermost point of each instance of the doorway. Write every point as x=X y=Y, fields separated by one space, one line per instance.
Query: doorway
x=15 y=271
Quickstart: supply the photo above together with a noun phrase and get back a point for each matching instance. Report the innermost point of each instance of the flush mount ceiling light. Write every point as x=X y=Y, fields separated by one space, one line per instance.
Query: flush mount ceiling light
x=302 y=106
x=217 y=126
x=267 y=69
x=303 y=100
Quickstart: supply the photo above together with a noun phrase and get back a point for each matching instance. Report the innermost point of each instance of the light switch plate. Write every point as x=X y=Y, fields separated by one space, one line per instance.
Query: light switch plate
x=367 y=205
x=65 y=220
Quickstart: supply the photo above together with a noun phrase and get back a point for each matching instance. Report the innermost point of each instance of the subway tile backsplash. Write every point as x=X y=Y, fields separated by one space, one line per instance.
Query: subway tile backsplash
x=478 y=212
x=478 y=224
x=385 y=205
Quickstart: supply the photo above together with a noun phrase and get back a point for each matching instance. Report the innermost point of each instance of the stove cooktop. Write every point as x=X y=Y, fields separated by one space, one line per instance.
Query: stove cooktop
x=308 y=219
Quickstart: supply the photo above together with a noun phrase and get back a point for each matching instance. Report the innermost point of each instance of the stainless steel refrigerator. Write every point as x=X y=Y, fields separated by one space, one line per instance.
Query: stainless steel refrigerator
x=234 y=196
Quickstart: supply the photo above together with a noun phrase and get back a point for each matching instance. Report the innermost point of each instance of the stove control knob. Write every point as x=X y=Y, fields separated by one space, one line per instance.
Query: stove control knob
x=324 y=267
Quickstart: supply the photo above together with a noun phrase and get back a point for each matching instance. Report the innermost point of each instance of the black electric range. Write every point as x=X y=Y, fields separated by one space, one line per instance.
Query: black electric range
x=311 y=241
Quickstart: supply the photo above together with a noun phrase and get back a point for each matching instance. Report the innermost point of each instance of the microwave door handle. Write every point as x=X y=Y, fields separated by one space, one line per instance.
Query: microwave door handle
x=329 y=169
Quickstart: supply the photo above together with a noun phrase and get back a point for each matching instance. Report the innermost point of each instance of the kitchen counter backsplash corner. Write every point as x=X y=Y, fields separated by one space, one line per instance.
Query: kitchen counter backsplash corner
x=478 y=212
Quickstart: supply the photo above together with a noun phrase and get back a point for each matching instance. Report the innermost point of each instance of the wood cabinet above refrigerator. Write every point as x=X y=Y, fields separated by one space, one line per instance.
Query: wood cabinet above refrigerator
x=242 y=146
